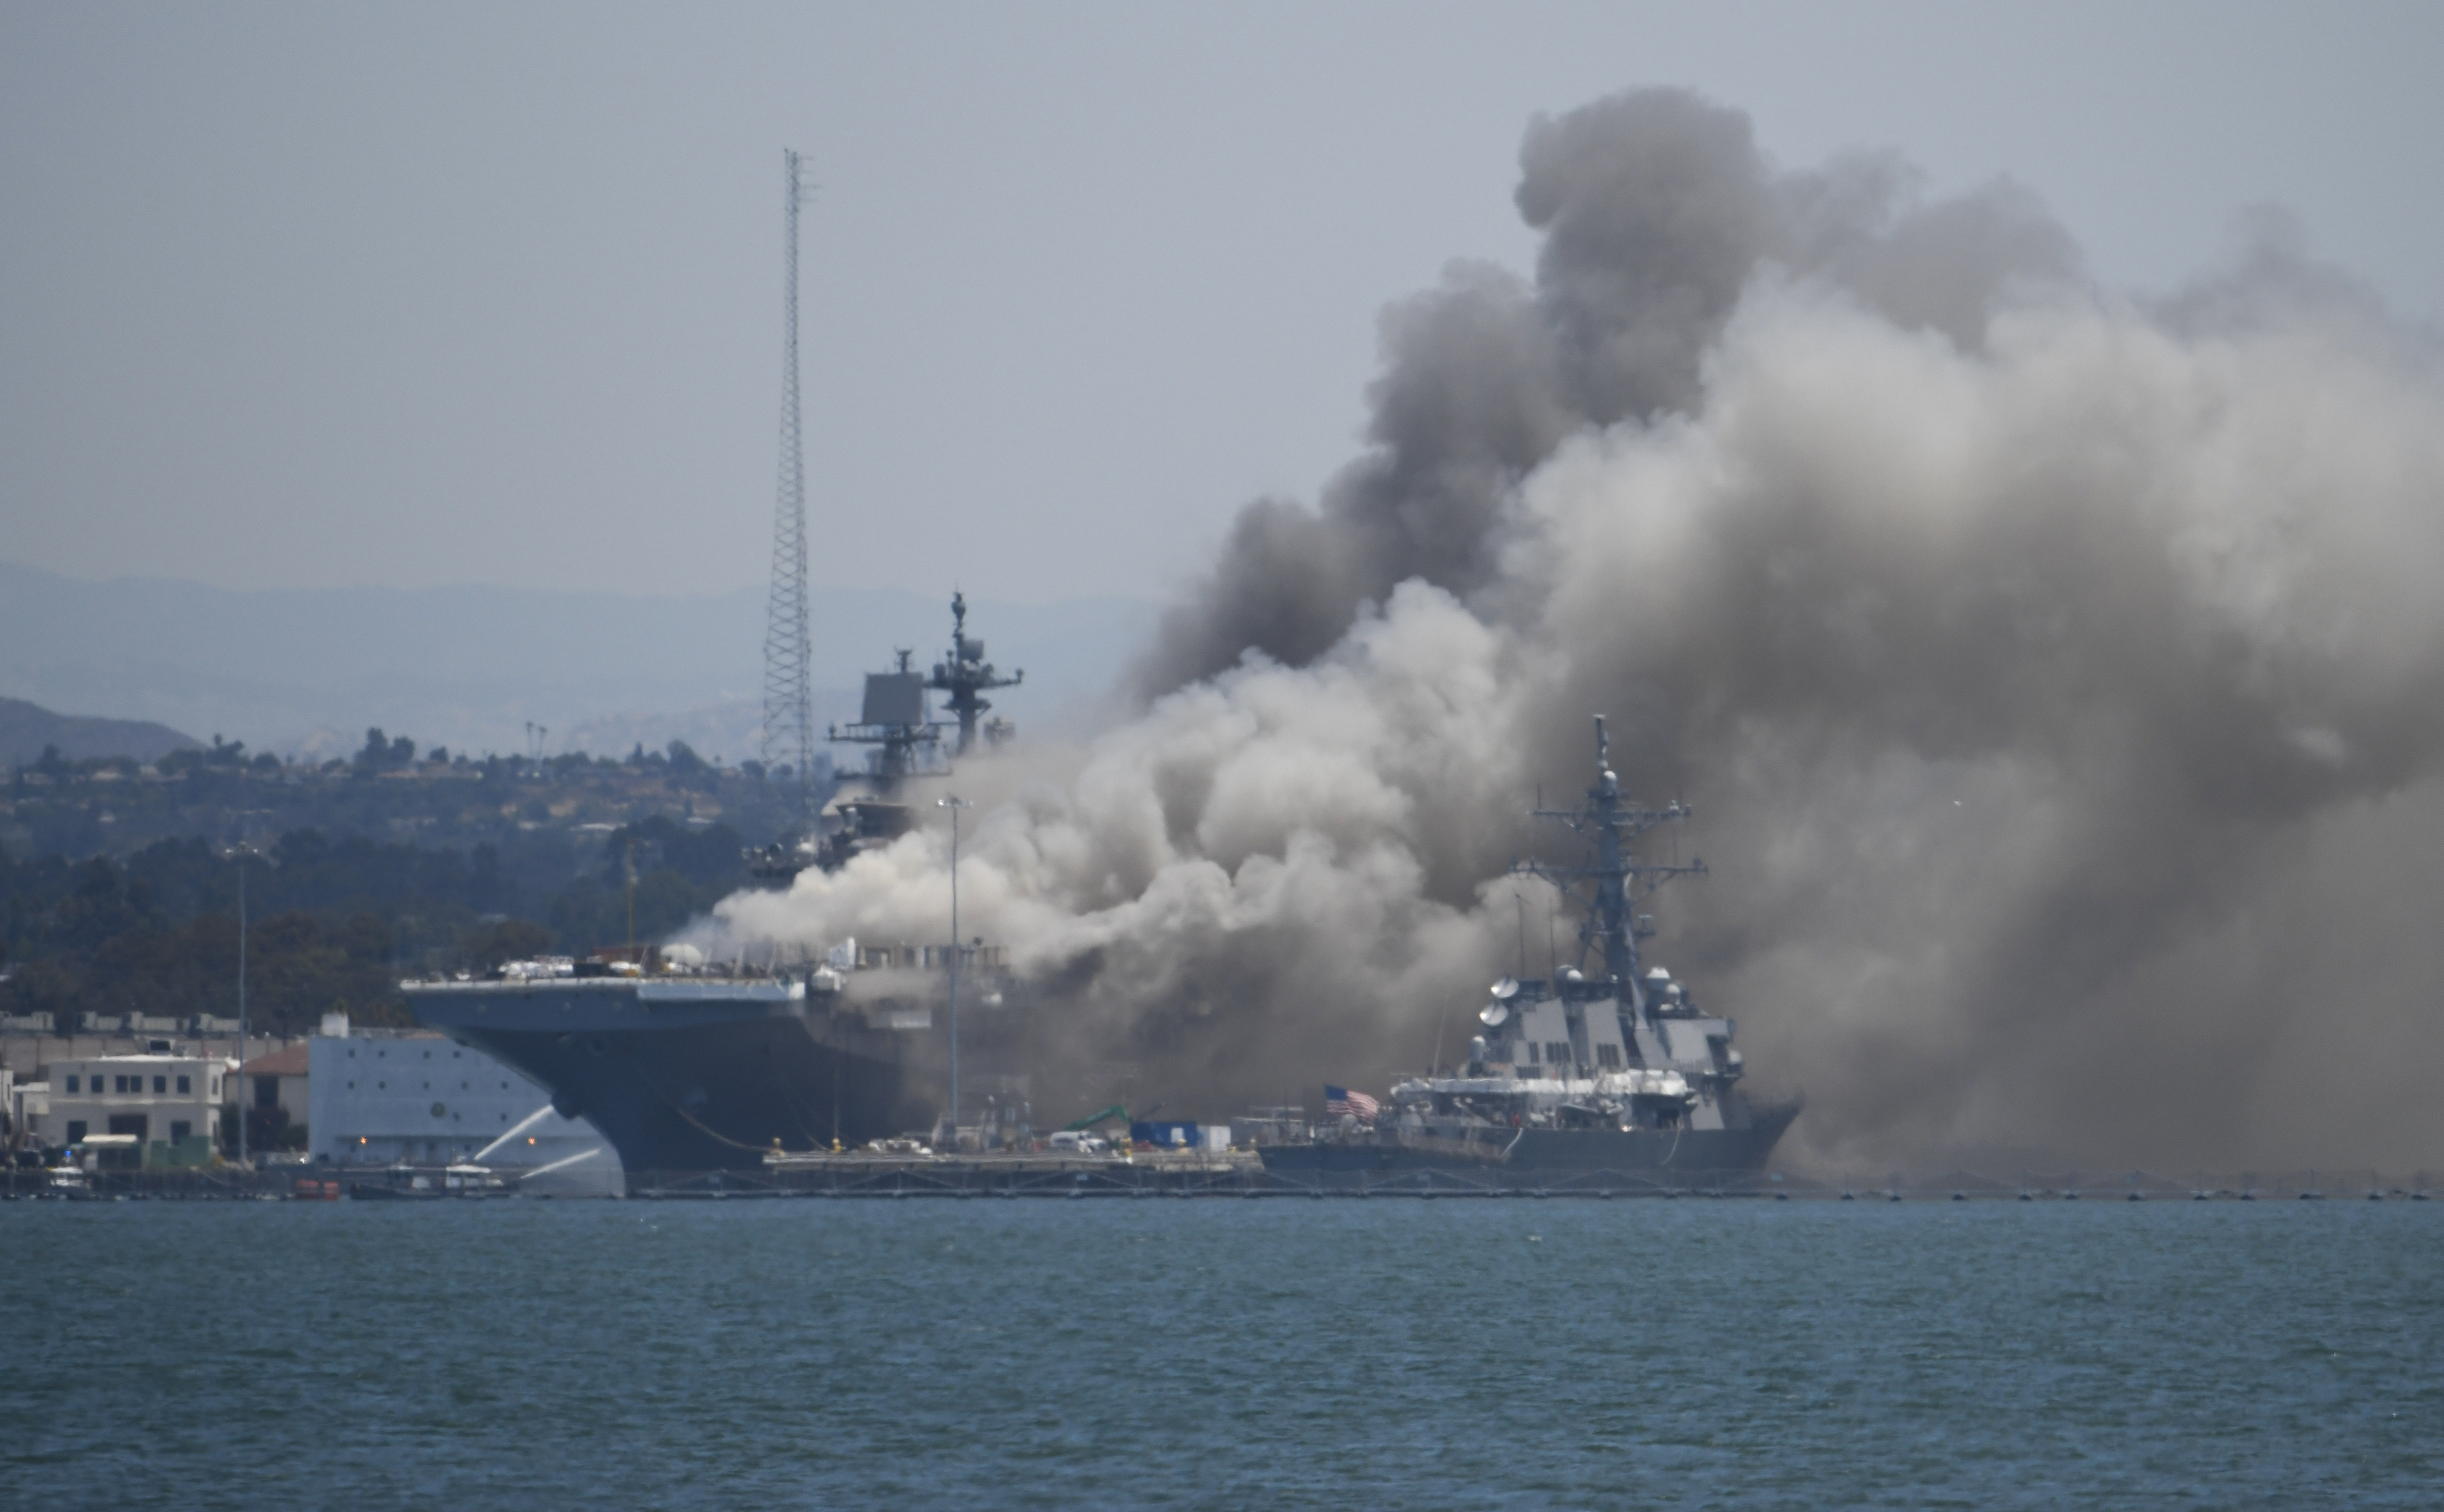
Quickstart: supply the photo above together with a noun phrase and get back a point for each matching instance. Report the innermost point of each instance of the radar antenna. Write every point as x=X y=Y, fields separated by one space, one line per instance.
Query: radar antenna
x=964 y=675
x=894 y=720
x=1611 y=824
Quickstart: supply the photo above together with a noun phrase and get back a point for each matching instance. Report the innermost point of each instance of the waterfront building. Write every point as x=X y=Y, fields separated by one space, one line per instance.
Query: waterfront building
x=12 y=1108
x=278 y=1080
x=28 y=1102
x=169 y=1103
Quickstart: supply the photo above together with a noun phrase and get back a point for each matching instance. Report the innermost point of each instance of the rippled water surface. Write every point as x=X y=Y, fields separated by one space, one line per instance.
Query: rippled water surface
x=1164 y=1353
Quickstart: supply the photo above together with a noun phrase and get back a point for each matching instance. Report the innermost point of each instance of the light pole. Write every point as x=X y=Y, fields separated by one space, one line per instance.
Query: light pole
x=954 y=802
x=239 y=854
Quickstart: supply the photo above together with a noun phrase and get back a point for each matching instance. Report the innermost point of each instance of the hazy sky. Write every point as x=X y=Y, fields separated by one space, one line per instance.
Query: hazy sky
x=409 y=295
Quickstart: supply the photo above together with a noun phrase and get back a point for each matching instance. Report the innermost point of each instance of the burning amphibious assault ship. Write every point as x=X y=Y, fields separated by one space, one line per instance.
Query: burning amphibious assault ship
x=1616 y=1071
x=687 y=1067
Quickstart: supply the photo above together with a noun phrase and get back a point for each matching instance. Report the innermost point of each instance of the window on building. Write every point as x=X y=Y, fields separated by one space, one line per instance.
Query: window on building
x=186 y=1085
x=118 y=1084
x=267 y=1091
x=1608 y=1056
x=1557 y=1052
x=160 y=1085
x=179 y=1129
x=72 y=1083
x=76 y=1131
x=1529 y=1046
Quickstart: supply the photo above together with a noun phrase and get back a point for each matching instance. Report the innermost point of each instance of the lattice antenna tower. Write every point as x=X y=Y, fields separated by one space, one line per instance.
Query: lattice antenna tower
x=788 y=651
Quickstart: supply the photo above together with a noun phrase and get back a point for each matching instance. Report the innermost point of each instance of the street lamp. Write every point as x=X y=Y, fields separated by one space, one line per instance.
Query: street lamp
x=954 y=802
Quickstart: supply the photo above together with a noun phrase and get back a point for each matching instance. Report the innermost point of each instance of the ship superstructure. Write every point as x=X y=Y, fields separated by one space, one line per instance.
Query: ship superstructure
x=906 y=740
x=1610 y=1065
x=905 y=743
x=966 y=676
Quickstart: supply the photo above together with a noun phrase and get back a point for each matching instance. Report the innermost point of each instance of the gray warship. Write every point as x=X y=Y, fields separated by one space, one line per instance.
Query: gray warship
x=1608 y=1066
x=685 y=1072
x=685 y=1069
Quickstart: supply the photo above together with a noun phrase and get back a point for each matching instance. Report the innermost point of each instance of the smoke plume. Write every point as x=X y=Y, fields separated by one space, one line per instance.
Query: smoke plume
x=2058 y=679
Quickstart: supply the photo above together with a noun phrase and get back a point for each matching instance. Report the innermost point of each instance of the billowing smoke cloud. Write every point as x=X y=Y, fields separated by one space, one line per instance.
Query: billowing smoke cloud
x=1658 y=212
x=2059 y=680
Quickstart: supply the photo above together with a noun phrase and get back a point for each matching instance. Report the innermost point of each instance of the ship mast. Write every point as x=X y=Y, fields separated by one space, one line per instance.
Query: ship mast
x=1611 y=825
x=964 y=673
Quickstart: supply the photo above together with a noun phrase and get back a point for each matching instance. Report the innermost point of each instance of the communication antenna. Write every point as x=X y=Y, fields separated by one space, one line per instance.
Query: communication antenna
x=788 y=652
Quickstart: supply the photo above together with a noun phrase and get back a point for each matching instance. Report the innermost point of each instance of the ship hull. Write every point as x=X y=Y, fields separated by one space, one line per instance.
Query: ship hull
x=1534 y=1152
x=693 y=1086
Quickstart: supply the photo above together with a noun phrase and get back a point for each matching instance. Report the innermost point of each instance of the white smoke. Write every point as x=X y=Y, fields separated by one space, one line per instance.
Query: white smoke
x=2060 y=683
x=1240 y=876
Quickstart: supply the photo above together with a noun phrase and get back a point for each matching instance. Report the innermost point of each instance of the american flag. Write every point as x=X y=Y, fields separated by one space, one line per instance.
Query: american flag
x=1338 y=1100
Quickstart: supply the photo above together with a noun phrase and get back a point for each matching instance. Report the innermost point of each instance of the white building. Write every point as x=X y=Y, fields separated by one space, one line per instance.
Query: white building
x=19 y=1101
x=28 y=1104
x=170 y=1103
x=386 y=1096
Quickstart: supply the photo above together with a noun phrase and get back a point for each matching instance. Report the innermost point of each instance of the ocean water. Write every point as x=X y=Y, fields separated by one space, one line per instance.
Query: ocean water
x=1223 y=1353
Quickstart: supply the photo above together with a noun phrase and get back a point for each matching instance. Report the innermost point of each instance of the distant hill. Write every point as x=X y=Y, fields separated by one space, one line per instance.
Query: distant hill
x=25 y=729
x=308 y=670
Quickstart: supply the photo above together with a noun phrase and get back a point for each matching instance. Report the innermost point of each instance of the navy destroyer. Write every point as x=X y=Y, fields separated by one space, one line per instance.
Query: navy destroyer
x=1610 y=1065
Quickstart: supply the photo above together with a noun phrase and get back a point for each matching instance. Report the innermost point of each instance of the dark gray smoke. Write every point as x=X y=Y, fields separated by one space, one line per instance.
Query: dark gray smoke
x=2060 y=681
x=1657 y=210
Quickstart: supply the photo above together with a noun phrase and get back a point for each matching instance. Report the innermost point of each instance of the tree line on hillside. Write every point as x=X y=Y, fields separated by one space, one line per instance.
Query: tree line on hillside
x=333 y=923
x=380 y=753
x=537 y=812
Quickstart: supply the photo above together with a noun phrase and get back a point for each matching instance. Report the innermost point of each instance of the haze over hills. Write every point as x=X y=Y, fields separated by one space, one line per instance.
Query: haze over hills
x=27 y=728
x=306 y=670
